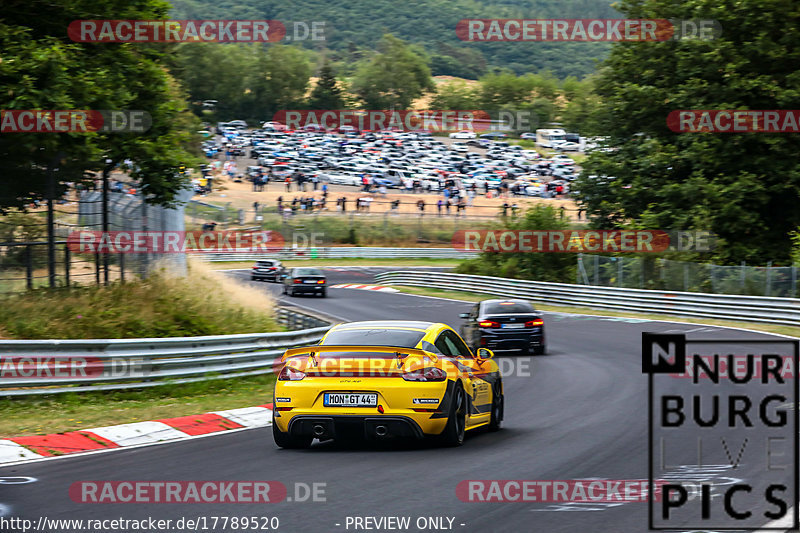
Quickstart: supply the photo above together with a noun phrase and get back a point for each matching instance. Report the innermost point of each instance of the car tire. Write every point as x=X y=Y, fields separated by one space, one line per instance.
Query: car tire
x=289 y=442
x=540 y=350
x=455 y=430
x=324 y=293
x=252 y=278
x=498 y=406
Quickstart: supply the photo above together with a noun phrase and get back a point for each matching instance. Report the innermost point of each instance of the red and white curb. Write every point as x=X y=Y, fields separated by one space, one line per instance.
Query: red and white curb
x=22 y=449
x=380 y=288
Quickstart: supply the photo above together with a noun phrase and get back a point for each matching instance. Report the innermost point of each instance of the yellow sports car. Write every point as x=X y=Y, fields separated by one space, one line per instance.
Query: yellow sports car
x=386 y=379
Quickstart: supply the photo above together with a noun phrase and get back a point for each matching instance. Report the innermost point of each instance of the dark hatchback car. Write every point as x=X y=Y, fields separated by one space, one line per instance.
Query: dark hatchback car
x=305 y=281
x=505 y=325
x=270 y=270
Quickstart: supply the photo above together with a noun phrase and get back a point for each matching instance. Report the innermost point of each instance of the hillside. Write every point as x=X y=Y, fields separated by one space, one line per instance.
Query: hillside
x=352 y=28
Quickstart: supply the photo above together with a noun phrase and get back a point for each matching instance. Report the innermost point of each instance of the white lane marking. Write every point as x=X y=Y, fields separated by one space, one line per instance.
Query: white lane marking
x=11 y=451
x=17 y=480
x=138 y=433
x=248 y=416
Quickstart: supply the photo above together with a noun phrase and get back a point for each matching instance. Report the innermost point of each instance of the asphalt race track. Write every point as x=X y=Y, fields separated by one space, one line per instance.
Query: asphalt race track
x=580 y=413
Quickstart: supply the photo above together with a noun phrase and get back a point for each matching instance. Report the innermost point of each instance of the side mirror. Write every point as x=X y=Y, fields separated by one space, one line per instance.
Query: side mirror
x=464 y=315
x=485 y=353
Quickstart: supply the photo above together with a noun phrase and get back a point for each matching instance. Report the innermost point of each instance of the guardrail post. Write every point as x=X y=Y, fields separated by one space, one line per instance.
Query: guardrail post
x=794 y=282
x=596 y=270
x=769 y=279
x=28 y=267
x=742 y=277
x=67 y=260
x=619 y=271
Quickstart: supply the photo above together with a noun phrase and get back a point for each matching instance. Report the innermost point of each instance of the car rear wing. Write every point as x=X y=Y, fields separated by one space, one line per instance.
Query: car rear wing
x=316 y=349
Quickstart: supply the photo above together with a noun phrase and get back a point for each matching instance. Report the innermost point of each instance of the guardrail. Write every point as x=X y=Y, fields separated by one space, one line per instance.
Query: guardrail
x=717 y=306
x=337 y=252
x=57 y=366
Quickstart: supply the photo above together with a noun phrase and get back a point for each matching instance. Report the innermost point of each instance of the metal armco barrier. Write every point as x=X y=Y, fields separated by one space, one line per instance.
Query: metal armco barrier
x=691 y=304
x=336 y=252
x=118 y=364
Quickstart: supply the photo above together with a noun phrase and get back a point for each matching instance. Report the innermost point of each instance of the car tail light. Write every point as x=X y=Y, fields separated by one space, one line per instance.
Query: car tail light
x=321 y=281
x=291 y=374
x=489 y=324
x=426 y=374
x=273 y=268
x=298 y=281
x=255 y=268
x=535 y=322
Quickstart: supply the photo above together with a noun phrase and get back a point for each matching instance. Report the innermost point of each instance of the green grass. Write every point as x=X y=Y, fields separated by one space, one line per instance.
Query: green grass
x=41 y=415
x=322 y=263
x=477 y=297
x=163 y=305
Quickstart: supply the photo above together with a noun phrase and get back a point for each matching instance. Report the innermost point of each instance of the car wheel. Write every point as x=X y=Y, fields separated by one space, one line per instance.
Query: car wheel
x=289 y=442
x=252 y=278
x=454 y=431
x=324 y=293
x=540 y=350
x=498 y=406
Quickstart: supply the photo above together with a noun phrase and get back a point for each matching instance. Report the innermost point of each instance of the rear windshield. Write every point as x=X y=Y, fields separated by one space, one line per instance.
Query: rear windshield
x=508 y=307
x=374 y=337
x=264 y=263
x=308 y=272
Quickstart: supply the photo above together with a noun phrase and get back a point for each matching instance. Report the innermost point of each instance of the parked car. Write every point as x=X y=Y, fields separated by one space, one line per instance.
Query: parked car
x=464 y=134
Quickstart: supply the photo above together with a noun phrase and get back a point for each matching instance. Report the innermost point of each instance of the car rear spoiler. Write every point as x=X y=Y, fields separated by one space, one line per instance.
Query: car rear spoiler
x=316 y=349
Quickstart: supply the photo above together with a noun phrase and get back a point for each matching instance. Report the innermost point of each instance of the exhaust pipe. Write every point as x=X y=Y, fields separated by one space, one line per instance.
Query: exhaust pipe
x=381 y=431
x=318 y=430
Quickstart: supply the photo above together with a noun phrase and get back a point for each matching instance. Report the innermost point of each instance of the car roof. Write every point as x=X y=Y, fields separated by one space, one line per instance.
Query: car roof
x=377 y=324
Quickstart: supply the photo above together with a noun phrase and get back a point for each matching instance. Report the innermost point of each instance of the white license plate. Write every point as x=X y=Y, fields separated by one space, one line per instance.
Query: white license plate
x=350 y=399
x=310 y=281
x=512 y=326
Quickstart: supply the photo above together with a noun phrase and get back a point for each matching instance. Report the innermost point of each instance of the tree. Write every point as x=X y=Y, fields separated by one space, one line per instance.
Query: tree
x=394 y=77
x=745 y=187
x=556 y=267
x=42 y=69
x=326 y=94
x=455 y=95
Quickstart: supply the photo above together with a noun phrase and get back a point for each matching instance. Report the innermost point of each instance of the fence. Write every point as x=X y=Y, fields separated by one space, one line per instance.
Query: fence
x=716 y=306
x=119 y=364
x=339 y=252
x=685 y=276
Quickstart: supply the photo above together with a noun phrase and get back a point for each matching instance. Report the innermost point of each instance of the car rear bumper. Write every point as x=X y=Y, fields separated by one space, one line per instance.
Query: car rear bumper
x=261 y=275
x=361 y=426
x=307 y=288
x=515 y=342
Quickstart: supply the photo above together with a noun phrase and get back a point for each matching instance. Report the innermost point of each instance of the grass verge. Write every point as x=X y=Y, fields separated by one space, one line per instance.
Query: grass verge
x=476 y=297
x=163 y=305
x=58 y=413
x=321 y=263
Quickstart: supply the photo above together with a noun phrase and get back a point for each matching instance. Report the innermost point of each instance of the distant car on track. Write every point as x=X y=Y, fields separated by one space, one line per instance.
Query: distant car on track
x=386 y=379
x=304 y=280
x=271 y=270
x=505 y=325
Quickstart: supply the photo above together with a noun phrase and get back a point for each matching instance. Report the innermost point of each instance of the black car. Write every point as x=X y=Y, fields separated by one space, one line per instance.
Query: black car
x=270 y=270
x=304 y=280
x=505 y=325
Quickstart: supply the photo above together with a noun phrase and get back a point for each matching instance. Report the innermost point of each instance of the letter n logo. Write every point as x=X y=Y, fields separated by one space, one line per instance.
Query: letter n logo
x=663 y=354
